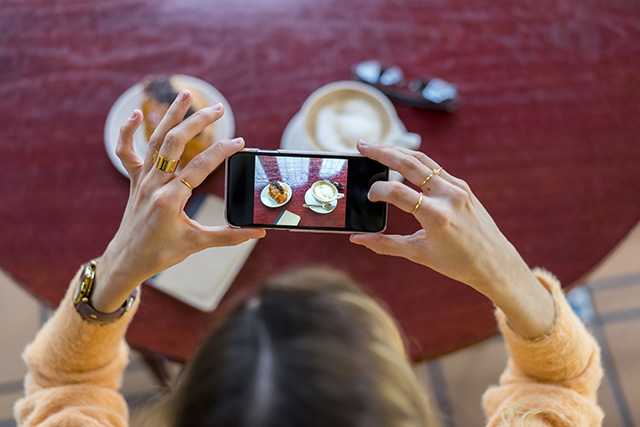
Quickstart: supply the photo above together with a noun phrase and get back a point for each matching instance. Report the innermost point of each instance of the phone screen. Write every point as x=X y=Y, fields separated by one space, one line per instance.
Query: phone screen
x=305 y=191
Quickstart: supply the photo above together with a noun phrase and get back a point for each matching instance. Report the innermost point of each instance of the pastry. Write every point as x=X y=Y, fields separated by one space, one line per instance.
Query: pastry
x=278 y=192
x=159 y=92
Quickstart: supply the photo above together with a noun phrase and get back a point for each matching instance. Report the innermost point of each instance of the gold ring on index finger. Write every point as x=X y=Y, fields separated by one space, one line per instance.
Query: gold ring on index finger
x=418 y=204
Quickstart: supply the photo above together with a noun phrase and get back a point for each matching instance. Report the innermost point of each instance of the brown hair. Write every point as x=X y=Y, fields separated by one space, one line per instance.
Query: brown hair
x=311 y=349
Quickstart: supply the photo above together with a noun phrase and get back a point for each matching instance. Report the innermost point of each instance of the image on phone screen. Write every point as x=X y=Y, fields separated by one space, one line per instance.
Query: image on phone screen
x=310 y=191
x=289 y=183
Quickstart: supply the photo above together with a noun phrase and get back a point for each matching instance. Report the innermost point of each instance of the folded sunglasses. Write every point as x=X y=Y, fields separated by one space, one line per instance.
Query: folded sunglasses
x=433 y=94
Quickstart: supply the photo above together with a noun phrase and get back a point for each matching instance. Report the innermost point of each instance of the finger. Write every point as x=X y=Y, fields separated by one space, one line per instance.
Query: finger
x=201 y=166
x=435 y=166
x=226 y=236
x=124 y=147
x=416 y=166
x=176 y=139
x=422 y=157
x=397 y=194
x=383 y=244
x=172 y=118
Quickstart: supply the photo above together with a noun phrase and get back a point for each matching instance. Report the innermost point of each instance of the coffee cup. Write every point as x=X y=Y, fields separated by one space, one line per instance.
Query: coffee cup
x=337 y=115
x=325 y=192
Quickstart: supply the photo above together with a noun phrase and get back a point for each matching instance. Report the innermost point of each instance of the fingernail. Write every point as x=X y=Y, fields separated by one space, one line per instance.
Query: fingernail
x=217 y=107
x=363 y=143
x=133 y=115
x=183 y=95
x=238 y=141
x=369 y=195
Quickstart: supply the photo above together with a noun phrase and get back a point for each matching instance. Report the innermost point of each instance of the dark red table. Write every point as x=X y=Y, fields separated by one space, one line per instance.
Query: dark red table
x=548 y=134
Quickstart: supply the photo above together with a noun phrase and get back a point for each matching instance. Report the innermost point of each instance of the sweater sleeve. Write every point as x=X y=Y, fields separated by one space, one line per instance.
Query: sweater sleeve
x=551 y=380
x=75 y=370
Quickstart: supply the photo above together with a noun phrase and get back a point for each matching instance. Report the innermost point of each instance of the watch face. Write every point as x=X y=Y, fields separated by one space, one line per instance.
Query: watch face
x=84 y=286
x=79 y=292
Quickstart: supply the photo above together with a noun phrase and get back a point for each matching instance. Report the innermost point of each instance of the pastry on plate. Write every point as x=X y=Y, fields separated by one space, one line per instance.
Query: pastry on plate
x=159 y=92
x=278 y=192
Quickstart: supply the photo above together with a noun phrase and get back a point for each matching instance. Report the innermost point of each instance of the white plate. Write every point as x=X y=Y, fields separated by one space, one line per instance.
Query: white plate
x=269 y=202
x=131 y=99
x=310 y=200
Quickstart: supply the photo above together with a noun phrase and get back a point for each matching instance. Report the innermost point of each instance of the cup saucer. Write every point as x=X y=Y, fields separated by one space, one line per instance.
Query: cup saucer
x=293 y=139
x=309 y=199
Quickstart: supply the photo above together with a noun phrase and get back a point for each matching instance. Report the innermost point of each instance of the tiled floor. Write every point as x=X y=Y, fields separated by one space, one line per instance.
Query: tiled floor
x=613 y=291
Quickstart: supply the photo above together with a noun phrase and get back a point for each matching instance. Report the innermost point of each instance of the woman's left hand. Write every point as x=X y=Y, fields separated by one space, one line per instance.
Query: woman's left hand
x=155 y=233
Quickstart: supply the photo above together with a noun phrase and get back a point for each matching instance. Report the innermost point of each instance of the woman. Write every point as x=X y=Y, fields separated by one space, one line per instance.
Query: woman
x=310 y=348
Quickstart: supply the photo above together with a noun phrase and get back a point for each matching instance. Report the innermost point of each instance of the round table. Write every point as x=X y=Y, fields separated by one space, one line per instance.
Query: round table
x=547 y=134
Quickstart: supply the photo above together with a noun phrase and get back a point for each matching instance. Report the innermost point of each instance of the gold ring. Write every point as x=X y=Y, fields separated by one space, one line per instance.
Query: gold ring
x=426 y=180
x=187 y=184
x=417 y=204
x=167 y=165
x=155 y=157
x=437 y=171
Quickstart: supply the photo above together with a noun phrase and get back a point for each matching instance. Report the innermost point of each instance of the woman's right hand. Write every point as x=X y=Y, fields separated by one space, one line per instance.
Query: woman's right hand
x=457 y=237
x=155 y=232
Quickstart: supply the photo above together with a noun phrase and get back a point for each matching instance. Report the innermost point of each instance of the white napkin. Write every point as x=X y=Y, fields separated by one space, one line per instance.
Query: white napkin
x=202 y=279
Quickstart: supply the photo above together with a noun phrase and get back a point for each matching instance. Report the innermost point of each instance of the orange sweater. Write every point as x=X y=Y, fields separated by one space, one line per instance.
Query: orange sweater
x=559 y=373
x=75 y=371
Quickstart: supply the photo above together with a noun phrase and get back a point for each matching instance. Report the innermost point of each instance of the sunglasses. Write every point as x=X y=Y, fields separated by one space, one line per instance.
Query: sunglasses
x=433 y=94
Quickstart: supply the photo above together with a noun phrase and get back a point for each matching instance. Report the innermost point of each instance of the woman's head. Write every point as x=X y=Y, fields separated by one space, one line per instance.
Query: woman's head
x=311 y=349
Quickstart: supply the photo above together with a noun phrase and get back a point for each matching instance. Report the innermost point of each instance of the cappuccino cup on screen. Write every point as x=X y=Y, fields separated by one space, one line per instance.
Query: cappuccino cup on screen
x=339 y=114
x=325 y=192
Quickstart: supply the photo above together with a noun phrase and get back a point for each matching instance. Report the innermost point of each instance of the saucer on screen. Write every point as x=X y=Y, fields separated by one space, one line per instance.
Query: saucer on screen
x=131 y=99
x=310 y=200
x=269 y=202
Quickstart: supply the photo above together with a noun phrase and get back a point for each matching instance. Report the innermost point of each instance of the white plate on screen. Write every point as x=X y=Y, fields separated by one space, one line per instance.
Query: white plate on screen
x=269 y=202
x=131 y=99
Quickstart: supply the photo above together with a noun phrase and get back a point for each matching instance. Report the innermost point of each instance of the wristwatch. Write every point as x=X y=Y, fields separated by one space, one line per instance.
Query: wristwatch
x=82 y=297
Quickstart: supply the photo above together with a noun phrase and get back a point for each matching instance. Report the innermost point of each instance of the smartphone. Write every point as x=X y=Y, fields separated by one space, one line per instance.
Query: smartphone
x=303 y=191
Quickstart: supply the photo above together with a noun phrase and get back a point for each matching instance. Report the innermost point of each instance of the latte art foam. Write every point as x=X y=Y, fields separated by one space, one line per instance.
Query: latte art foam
x=340 y=125
x=324 y=191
